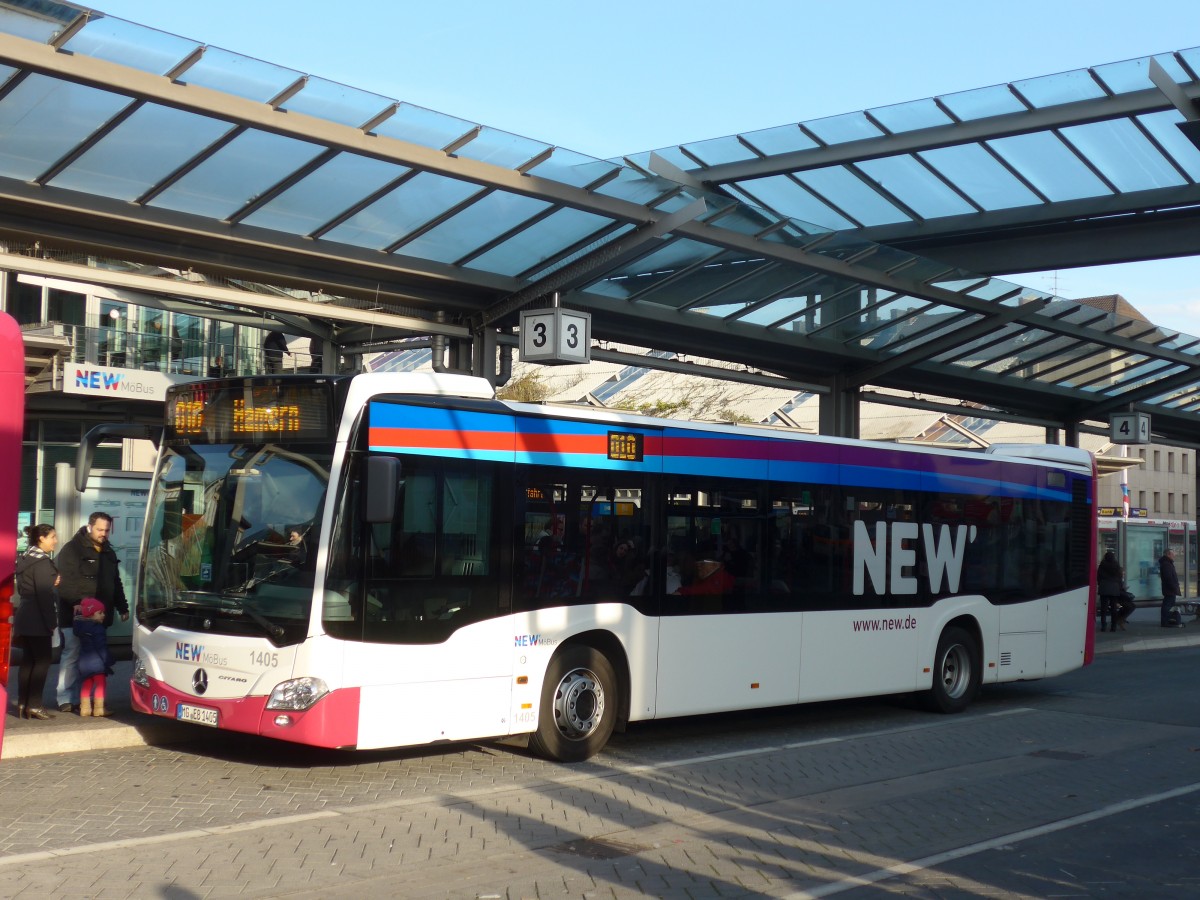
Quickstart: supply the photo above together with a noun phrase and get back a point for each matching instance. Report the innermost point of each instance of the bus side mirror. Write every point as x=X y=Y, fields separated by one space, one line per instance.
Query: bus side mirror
x=87 y=447
x=379 y=487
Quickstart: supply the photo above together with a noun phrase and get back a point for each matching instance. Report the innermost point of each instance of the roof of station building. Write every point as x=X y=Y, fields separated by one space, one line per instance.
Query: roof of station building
x=121 y=142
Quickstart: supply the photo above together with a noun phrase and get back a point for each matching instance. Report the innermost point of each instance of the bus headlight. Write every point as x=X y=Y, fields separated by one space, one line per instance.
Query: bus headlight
x=139 y=673
x=299 y=693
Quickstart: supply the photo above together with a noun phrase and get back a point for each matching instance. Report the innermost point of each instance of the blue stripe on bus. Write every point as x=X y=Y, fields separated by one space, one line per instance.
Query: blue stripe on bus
x=990 y=476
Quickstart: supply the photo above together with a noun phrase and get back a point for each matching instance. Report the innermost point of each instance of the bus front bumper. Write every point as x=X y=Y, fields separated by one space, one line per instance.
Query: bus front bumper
x=330 y=722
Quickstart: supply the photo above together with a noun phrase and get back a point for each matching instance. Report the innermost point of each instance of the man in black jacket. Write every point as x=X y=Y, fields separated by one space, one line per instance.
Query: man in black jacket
x=1168 y=618
x=88 y=565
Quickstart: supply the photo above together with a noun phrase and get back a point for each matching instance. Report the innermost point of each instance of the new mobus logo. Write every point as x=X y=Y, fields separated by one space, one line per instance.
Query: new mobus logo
x=893 y=550
x=90 y=378
x=189 y=652
x=88 y=381
x=532 y=640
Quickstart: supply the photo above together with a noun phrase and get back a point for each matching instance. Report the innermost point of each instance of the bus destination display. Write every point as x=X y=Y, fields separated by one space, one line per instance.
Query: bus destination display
x=202 y=414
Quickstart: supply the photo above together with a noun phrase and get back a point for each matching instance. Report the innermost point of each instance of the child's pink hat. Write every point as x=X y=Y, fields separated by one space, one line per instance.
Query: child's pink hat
x=89 y=606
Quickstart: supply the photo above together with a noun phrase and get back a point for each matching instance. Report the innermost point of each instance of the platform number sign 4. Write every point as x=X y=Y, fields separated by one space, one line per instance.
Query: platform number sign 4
x=1129 y=428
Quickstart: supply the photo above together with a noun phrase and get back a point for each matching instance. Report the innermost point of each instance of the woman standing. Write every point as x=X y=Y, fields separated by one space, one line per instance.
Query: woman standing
x=36 y=618
x=1109 y=585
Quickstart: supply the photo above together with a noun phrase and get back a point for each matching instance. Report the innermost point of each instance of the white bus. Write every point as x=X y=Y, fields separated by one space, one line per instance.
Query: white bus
x=385 y=560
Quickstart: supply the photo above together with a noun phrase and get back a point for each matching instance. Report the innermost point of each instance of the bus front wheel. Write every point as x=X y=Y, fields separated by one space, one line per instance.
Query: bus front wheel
x=955 y=672
x=579 y=705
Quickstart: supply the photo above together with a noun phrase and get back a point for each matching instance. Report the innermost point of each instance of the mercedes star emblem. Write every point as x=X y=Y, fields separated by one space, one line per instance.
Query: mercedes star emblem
x=200 y=681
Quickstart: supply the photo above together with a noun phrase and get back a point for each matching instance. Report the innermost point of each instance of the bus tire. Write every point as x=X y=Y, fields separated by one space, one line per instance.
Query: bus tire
x=955 y=672
x=579 y=705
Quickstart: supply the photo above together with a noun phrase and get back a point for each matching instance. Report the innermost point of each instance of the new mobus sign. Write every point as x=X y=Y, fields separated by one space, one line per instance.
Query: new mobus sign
x=127 y=384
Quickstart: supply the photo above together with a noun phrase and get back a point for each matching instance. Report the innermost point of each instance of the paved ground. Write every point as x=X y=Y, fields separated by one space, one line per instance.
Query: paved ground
x=69 y=733
x=1086 y=785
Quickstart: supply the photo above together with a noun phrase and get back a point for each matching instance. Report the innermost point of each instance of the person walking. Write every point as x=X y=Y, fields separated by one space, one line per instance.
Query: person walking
x=1109 y=585
x=274 y=345
x=95 y=659
x=1167 y=616
x=89 y=568
x=36 y=619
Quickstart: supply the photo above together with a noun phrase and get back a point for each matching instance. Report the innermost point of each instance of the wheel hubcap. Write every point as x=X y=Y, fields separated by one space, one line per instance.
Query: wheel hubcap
x=956 y=671
x=578 y=704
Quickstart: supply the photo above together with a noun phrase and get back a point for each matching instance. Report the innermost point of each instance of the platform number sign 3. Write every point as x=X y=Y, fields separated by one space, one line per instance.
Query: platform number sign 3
x=556 y=336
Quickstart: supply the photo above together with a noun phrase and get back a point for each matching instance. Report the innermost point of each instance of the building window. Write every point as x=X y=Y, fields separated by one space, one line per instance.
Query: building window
x=1170 y=461
x=1157 y=502
x=1171 y=503
x=1141 y=499
x=1157 y=460
x=1183 y=462
x=1183 y=503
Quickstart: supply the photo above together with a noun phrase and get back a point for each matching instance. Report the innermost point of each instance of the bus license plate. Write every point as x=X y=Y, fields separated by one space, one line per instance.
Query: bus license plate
x=197 y=714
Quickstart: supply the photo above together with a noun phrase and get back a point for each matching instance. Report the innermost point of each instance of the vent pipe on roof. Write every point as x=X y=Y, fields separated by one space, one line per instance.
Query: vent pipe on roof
x=439 y=347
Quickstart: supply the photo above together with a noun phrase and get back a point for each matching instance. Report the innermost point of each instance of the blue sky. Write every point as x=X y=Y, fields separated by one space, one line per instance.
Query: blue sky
x=618 y=77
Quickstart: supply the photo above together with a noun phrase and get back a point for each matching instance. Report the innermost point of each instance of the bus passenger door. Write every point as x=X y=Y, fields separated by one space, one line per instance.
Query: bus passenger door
x=725 y=642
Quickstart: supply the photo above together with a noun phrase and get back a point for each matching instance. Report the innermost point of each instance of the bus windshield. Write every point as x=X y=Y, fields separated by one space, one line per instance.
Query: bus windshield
x=231 y=538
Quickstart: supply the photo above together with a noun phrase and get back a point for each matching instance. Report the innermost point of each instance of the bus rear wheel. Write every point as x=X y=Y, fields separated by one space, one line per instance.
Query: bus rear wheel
x=955 y=672
x=579 y=705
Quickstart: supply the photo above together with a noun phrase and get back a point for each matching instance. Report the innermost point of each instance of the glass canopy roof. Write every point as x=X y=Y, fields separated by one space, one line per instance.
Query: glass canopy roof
x=114 y=122
x=1089 y=134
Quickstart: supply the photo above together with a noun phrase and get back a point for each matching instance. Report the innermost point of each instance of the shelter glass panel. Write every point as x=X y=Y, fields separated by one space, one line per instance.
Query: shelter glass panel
x=144 y=149
x=247 y=166
x=35 y=28
x=42 y=120
x=1126 y=77
x=424 y=126
x=787 y=313
x=1122 y=152
x=540 y=241
x=983 y=103
x=241 y=76
x=739 y=218
x=915 y=186
x=720 y=150
x=637 y=188
x=663 y=262
x=785 y=195
x=997 y=351
x=1063 y=87
x=1164 y=126
x=1052 y=168
x=569 y=167
x=336 y=102
x=501 y=148
x=910 y=323
x=781 y=139
x=852 y=196
x=980 y=177
x=994 y=289
x=755 y=281
x=911 y=116
x=399 y=212
x=130 y=45
x=322 y=195
x=674 y=155
x=479 y=223
x=840 y=129
x=1138 y=377
x=1191 y=56
x=1077 y=314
